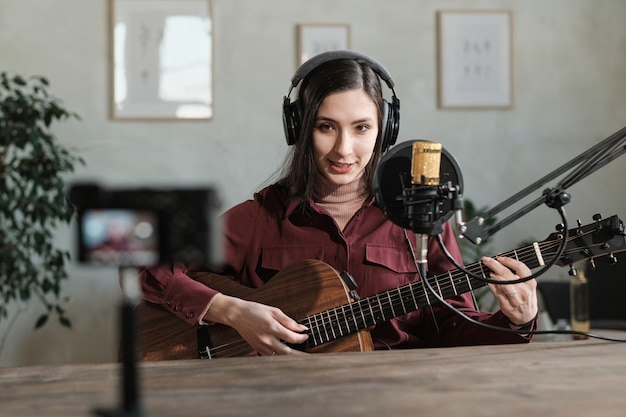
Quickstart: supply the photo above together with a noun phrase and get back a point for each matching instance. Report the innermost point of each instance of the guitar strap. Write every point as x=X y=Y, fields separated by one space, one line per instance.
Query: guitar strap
x=352 y=285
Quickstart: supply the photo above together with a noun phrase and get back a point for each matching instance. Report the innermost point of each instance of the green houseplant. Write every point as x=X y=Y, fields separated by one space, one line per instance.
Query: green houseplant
x=32 y=195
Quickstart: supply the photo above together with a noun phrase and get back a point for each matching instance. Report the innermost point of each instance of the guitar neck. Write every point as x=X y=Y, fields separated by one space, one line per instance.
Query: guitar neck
x=349 y=318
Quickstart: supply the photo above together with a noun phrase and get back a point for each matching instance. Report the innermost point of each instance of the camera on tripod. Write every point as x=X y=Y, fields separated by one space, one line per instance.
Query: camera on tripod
x=144 y=226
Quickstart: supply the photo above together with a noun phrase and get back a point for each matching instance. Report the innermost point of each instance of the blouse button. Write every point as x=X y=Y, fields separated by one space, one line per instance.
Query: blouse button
x=190 y=314
x=179 y=307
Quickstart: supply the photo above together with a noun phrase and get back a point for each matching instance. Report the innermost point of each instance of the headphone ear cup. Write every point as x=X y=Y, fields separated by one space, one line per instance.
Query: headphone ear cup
x=291 y=120
x=384 y=128
x=391 y=122
x=389 y=132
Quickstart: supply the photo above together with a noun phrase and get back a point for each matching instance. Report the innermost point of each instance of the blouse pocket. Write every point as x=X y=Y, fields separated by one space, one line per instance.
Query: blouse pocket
x=386 y=267
x=393 y=258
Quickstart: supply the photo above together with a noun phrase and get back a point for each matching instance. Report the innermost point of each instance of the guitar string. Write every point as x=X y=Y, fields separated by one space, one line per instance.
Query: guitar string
x=328 y=325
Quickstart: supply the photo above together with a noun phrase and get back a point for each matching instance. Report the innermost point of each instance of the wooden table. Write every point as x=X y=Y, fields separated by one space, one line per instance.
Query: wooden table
x=572 y=378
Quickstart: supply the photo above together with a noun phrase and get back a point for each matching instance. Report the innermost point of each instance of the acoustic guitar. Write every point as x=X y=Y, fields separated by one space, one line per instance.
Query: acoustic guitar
x=314 y=294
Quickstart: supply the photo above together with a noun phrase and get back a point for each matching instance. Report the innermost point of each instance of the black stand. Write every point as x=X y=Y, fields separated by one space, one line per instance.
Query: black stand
x=588 y=162
x=131 y=405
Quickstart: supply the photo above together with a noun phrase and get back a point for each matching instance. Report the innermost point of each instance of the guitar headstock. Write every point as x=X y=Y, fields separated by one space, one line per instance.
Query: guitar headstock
x=603 y=237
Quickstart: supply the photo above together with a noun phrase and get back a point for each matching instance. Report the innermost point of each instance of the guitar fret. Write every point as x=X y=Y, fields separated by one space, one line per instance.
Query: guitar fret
x=407 y=298
x=320 y=327
x=425 y=291
x=438 y=287
x=345 y=319
x=410 y=289
x=386 y=310
x=339 y=328
x=398 y=290
x=313 y=326
x=362 y=315
x=482 y=270
x=332 y=329
x=372 y=318
x=469 y=283
x=391 y=304
x=353 y=319
x=453 y=286
x=422 y=296
x=380 y=309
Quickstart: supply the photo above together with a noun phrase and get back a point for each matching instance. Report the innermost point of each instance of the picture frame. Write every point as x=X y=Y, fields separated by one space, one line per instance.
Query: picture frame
x=161 y=59
x=315 y=38
x=475 y=63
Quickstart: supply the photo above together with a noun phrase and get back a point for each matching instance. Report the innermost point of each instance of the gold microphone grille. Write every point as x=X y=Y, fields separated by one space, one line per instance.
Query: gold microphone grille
x=425 y=163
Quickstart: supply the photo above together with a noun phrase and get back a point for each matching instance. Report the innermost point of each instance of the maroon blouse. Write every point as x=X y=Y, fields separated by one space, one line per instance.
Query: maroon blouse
x=266 y=234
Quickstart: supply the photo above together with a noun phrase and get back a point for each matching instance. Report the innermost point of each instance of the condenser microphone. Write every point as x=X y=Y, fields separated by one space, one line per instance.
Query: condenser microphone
x=422 y=205
x=418 y=186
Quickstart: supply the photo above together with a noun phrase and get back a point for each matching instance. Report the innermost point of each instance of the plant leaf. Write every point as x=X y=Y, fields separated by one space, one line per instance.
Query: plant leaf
x=41 y=321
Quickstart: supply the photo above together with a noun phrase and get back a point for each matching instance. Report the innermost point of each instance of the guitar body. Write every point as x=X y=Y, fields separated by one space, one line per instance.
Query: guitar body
x=300 y=290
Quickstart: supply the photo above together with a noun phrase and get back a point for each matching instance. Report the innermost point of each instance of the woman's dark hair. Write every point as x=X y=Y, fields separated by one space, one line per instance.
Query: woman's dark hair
x=330 y=77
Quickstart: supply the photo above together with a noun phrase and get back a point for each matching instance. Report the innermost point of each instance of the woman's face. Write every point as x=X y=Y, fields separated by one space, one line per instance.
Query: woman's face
x=344 y=135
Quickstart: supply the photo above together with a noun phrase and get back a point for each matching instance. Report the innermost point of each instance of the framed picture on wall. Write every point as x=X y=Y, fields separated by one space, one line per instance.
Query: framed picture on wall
x=474 y=59
x=161 y=59
x=315 y=38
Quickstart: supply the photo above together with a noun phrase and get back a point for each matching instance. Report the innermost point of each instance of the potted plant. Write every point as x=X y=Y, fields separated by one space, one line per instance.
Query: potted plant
x=32 y=195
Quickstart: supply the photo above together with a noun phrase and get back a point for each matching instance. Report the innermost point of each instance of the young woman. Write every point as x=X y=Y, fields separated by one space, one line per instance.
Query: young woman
x=323 y=207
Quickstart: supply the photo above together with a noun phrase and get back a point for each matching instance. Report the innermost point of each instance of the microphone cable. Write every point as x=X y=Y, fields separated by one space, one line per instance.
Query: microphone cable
x=545 y=268
x=458 y=312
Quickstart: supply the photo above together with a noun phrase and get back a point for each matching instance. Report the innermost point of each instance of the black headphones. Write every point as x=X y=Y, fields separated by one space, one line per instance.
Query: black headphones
x=292 y=111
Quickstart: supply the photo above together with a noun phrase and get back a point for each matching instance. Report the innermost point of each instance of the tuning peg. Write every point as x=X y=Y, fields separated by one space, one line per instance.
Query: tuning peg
x=559 y=227
x=592 y=264
x=597 y=217
x=612 y=259
x=572 y=271
x=579 y=230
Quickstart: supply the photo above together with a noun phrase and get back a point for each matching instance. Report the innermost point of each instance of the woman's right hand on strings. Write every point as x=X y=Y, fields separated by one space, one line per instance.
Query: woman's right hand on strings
x=265 y=328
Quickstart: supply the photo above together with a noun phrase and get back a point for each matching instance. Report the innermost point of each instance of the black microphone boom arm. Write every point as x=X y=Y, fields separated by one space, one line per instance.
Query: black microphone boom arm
x=588 y=162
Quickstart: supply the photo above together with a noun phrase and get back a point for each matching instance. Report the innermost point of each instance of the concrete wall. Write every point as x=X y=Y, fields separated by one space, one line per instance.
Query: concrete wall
x=569 y=93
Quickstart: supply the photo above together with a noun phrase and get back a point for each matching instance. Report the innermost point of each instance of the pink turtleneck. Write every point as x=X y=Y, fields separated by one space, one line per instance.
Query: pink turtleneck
x=341 y=201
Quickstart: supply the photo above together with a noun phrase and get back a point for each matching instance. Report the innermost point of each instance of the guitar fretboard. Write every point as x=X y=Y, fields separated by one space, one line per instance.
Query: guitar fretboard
x=352 y=317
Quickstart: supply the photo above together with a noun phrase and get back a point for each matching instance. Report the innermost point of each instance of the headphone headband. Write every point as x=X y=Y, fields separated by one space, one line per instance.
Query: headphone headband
x=319 y=59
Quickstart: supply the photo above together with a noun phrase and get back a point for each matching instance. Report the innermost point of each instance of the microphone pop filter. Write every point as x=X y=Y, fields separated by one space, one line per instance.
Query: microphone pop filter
x=396 y=164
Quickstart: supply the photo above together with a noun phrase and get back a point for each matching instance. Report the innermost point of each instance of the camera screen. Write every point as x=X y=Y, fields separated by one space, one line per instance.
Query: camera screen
x=119 y=237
